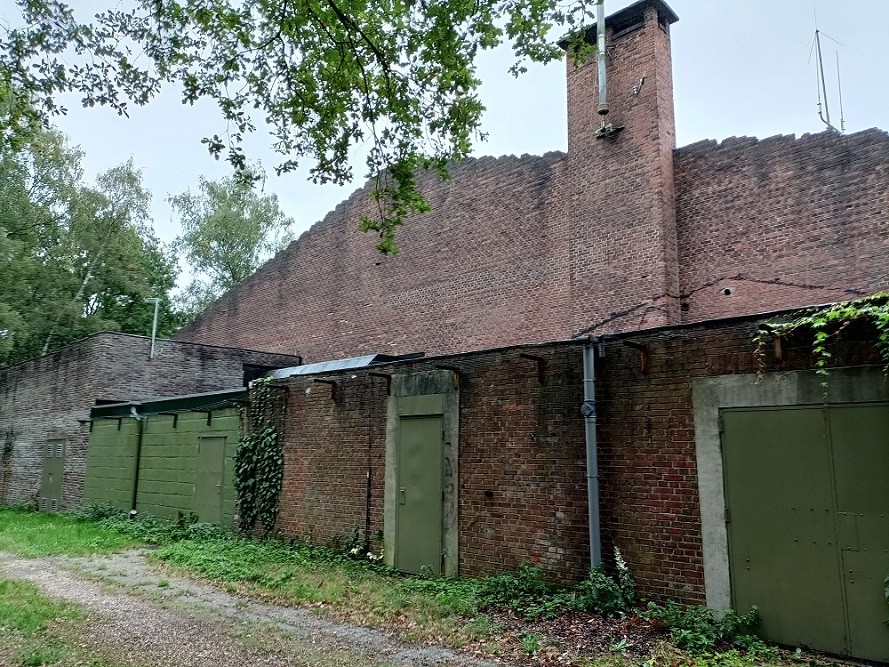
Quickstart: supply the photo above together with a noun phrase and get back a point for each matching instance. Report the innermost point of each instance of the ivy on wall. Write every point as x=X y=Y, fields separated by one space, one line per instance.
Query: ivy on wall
x=827 y=323
x=259 y=461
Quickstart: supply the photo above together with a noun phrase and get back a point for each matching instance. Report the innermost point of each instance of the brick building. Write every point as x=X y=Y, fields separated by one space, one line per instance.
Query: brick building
x=667 y=256
x=618 y=234
x=47 y=400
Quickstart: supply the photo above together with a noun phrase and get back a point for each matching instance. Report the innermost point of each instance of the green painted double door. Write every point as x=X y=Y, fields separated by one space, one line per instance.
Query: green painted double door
x=807 y=495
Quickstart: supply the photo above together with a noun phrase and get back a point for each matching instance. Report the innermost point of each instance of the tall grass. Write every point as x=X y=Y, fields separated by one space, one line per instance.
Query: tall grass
x=33 y=534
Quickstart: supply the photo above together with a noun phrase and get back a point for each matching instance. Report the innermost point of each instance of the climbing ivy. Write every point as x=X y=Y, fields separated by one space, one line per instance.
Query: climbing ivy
x=827 y=322
x=259 y=461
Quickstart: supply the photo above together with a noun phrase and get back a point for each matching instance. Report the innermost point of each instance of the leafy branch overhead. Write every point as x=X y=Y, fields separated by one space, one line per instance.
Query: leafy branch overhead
x=396 y=78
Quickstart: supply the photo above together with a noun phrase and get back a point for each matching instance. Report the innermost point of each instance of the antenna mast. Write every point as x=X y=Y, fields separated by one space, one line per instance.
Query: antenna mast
x=823 y=87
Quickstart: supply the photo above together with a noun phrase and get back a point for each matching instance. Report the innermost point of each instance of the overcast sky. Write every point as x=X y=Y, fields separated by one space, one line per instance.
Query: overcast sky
x=740 y=67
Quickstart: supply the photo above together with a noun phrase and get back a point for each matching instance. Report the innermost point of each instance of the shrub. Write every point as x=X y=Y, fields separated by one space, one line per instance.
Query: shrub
x=697 y=629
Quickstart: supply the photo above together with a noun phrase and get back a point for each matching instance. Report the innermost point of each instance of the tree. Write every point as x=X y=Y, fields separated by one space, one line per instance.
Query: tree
x=324 y=75
x=229 y=229
x=75 y=259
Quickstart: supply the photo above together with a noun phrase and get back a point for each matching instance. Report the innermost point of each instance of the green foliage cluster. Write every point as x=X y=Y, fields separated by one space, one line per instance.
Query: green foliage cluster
x=32 y=534
x=228 y=230
x=827 y=323
x=259 y=461
x=74 y=258
x=396 y=80
x=698 y=630
x=531 y=596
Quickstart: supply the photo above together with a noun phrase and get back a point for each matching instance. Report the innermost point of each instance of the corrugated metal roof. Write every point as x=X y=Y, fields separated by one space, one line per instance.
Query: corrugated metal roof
x=324 y=366
x=339 y=365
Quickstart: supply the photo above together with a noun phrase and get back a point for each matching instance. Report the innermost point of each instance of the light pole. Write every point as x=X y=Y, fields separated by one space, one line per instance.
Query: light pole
x=156 y=301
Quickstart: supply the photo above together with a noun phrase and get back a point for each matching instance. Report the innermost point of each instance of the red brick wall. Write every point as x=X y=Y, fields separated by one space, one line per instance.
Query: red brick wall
x=51 y=396
x=522 y=455
x=782 y=222
x=650 y=502
x=515 y=250
x=329 y=446
x=620 y=234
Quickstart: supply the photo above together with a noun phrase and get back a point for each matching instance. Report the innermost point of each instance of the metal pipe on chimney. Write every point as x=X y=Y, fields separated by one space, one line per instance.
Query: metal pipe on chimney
x=600 y=55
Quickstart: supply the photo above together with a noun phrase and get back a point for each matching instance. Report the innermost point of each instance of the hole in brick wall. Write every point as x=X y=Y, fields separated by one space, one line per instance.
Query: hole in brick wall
x=684 y=306
x=489 y=494
x=728 y=291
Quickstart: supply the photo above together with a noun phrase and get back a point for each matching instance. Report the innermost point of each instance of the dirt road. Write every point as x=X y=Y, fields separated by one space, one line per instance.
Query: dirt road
x=139 y=616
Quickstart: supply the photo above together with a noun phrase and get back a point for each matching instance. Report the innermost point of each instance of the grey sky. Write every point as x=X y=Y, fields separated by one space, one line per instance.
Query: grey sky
x=740 y=67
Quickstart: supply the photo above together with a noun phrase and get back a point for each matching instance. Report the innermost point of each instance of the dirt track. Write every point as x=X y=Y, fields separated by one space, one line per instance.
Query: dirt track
x=139 y=616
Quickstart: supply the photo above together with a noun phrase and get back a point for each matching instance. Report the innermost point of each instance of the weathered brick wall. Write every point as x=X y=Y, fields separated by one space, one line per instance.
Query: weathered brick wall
x=329 y=446
x=648 y=472
x=522 y=466
x=521 y=456
x=486 y=246
x=51 y=396
x=782 y=222
x=618 y=234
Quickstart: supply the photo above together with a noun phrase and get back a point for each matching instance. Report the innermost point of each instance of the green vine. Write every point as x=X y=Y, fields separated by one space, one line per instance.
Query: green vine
x=827 y=323
x=259 y=461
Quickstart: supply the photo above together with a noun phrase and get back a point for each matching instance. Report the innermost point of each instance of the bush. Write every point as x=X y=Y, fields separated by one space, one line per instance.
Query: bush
x=528 y=594
x=96 y=512
x=697 y=629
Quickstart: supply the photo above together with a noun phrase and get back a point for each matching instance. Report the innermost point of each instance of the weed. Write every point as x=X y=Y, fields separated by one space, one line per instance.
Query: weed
x=163 y=583
x=697 y=630
x=530 y=642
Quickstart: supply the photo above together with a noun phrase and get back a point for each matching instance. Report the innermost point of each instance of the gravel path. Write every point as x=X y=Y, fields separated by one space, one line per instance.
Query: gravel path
x=142 y=617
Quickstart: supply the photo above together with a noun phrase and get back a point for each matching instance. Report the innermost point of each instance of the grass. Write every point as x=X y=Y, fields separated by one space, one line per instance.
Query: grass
x=451 y=612
x=32 y=534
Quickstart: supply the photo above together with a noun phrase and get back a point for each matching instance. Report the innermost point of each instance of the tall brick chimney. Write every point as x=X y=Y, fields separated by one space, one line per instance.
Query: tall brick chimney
x=619 y=195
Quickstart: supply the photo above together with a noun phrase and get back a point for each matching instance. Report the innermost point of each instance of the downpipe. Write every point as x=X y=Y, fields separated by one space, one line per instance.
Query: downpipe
x=588 y=410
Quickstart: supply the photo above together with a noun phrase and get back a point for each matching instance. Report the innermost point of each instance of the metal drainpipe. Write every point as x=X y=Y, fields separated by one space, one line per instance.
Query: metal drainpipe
x=135 y=414
x=600 y=57
x=592 y=463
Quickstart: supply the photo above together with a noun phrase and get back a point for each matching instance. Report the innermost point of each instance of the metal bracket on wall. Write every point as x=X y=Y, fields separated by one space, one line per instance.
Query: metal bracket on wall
x=644 y=355
x=388 y=377
x=209 y=415
x=541 y=365
x=333 y=386
x=175 y=416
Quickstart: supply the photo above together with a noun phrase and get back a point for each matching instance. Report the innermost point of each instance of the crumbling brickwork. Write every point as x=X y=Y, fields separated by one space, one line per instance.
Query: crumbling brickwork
x=50 y=397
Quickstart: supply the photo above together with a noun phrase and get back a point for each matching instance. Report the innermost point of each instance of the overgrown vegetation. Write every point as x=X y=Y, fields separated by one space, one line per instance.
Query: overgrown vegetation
x=31 y=534
x=259 y=462
x=350 y=586
x=827 y=323
x=698 y=630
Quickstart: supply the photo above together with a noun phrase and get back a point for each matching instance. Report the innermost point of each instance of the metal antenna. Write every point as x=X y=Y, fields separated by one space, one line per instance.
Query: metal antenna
x=840 y=89
x=823 y=86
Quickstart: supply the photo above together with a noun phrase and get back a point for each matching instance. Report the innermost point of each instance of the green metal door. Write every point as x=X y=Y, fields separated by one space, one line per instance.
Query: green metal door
x=209 y=479
x=418 y=541
x=783 y=556
x=51 y=482
x=860 y=443
x=808 y=523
